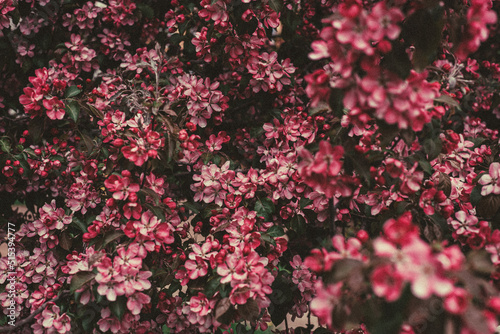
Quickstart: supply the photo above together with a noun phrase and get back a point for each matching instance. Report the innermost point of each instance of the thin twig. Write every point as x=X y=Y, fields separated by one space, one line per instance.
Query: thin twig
x=7 y=329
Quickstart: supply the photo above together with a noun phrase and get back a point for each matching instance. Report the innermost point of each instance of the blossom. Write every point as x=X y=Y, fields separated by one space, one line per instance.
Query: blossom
x=464 y=223
x=491 y=181
x=55 y=108
x=387 y=282
x=325 y=301
x=457 y=301
x=196 y=268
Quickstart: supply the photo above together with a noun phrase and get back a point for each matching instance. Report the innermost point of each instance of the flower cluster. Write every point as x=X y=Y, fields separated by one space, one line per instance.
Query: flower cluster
x=241 y=163
x=400 y=259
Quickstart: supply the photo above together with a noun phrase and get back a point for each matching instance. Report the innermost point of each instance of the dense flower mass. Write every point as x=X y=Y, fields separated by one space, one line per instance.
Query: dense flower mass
x=199 y=166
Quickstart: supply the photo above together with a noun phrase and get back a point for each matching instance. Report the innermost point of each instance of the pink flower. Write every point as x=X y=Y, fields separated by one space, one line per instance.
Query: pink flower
x=121 y=187
x=325 y=301
x=196 y=268
x=108 y=322
x=327 y=160
x=199 y=304
x=401 y=231
x=233 y=269
x=62 y=324
x=464 y=223
x=55 y=108
x=491 y=181
x=136 y=302
x=50 y=314
x=412 y=181
x=457 y=301
x=383 y=22
x=346 y=249
x=355 y=33
x=111 y=289
x=387 y=282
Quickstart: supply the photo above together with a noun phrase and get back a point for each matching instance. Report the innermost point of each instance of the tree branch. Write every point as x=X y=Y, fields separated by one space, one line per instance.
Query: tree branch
x=7 y=329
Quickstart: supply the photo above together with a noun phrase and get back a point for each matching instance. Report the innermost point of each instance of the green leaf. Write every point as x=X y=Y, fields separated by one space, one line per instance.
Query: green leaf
x=193 y=207
x=477 y=141
x=276 y=5
x=73 y=110
x=475 y=195
x=446 y=99
x=158 y=212
x=342 y=269
x=298 y=224
x=118 y=308
x=80 y=224
x=146 y=10
x=264 y=207
x=5 y=144
x=424 y=29
x=212 y=286
x=281 y=299
x=276 y=231
x=80 y=279
x=426 y=166
x=362 y=167
x=72 y=91
x=35 y=128
x=109 y=237
x=303 y=202
x=432 y=147
x=397 y=61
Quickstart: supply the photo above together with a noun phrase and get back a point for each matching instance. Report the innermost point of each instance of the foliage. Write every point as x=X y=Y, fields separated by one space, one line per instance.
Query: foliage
x=216 y=166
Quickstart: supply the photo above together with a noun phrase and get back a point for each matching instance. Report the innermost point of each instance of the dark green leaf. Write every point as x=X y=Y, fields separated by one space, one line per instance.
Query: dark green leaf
x=193 y=207
x=146 y=10
x=73 y=110
x=446 y=99
x=5 y=144
x=65 y=240
x=424 y=29
x=151 y=193
x=35 y=128
x=303 y=202
x=475 y=195
x=72 y=91
x=224 y=311
x=81 y=225
x=88 y=316
x=249 y=311
x=118 y=308
x=298 y=224
x=477 y=141
x=80 y=279
x=432 y=147
x=158 y=212
x=276 y=5
x=276 y=231
x=109 y=237
x=397 y=61
x=342 y=269
x=212 y=286
x=362 y=168
x=426 y=166
x=264 y=207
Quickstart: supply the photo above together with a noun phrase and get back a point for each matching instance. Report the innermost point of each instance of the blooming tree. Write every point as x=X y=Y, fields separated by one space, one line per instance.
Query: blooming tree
x=221 y=166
